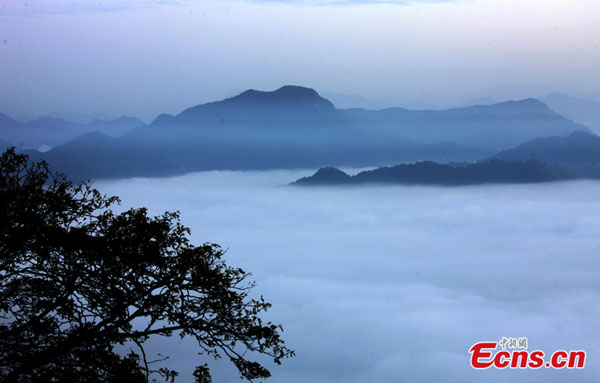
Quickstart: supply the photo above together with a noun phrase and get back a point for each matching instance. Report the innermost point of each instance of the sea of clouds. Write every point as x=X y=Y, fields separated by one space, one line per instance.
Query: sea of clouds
x=395 y=283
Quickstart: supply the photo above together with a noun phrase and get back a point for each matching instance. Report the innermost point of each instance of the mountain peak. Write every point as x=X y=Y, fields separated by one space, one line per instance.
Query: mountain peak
x=329 y=171
x=325 y=176
x=288 y=94
x=531 y=106
x=528 y=103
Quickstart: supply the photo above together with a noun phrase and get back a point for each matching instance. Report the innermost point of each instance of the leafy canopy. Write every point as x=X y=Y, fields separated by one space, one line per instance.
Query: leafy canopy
x=74 y=276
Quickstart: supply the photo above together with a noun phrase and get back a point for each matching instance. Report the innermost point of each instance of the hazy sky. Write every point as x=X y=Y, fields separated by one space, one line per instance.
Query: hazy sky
x=147 y=57
x=387 y=284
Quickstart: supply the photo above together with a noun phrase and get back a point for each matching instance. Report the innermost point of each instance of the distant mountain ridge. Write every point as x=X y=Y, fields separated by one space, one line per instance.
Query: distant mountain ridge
x=579 y=152
x=307 y=117
x=51 y=131
x=431 y=173
x=574 y=156
x=289 y=94
x=495 y=127
x=586 y=112
x=579 y=110
x=294 y=127
x=284 y=106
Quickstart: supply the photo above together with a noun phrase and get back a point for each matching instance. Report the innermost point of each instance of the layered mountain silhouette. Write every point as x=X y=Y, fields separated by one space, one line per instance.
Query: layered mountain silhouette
x=576 y=155
x=495 y=127
x=294 y=127
x=586 y=112
x=579 y=152
x=49 y=131
x=110 y=163
x=431 y=173
x=491 y=127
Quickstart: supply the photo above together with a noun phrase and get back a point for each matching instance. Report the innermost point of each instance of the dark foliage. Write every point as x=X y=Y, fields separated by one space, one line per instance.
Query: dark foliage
x=74 y=276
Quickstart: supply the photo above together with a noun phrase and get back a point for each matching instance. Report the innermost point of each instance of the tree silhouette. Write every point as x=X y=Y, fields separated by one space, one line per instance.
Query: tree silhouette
x=77 y=279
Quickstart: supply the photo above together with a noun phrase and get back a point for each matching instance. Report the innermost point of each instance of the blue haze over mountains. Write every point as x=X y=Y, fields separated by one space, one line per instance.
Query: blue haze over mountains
x=544 y=159
x=52 y=131
x=291 y=127
x=582 y=111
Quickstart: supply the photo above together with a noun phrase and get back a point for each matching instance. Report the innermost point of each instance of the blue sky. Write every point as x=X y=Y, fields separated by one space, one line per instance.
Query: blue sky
x=148 y=57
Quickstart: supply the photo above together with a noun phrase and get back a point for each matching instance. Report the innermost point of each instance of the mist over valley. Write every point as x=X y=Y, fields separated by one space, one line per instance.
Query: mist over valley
x=388 y=283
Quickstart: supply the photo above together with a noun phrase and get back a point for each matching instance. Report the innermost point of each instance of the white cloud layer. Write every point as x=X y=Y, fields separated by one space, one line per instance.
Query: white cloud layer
x=389 y=284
